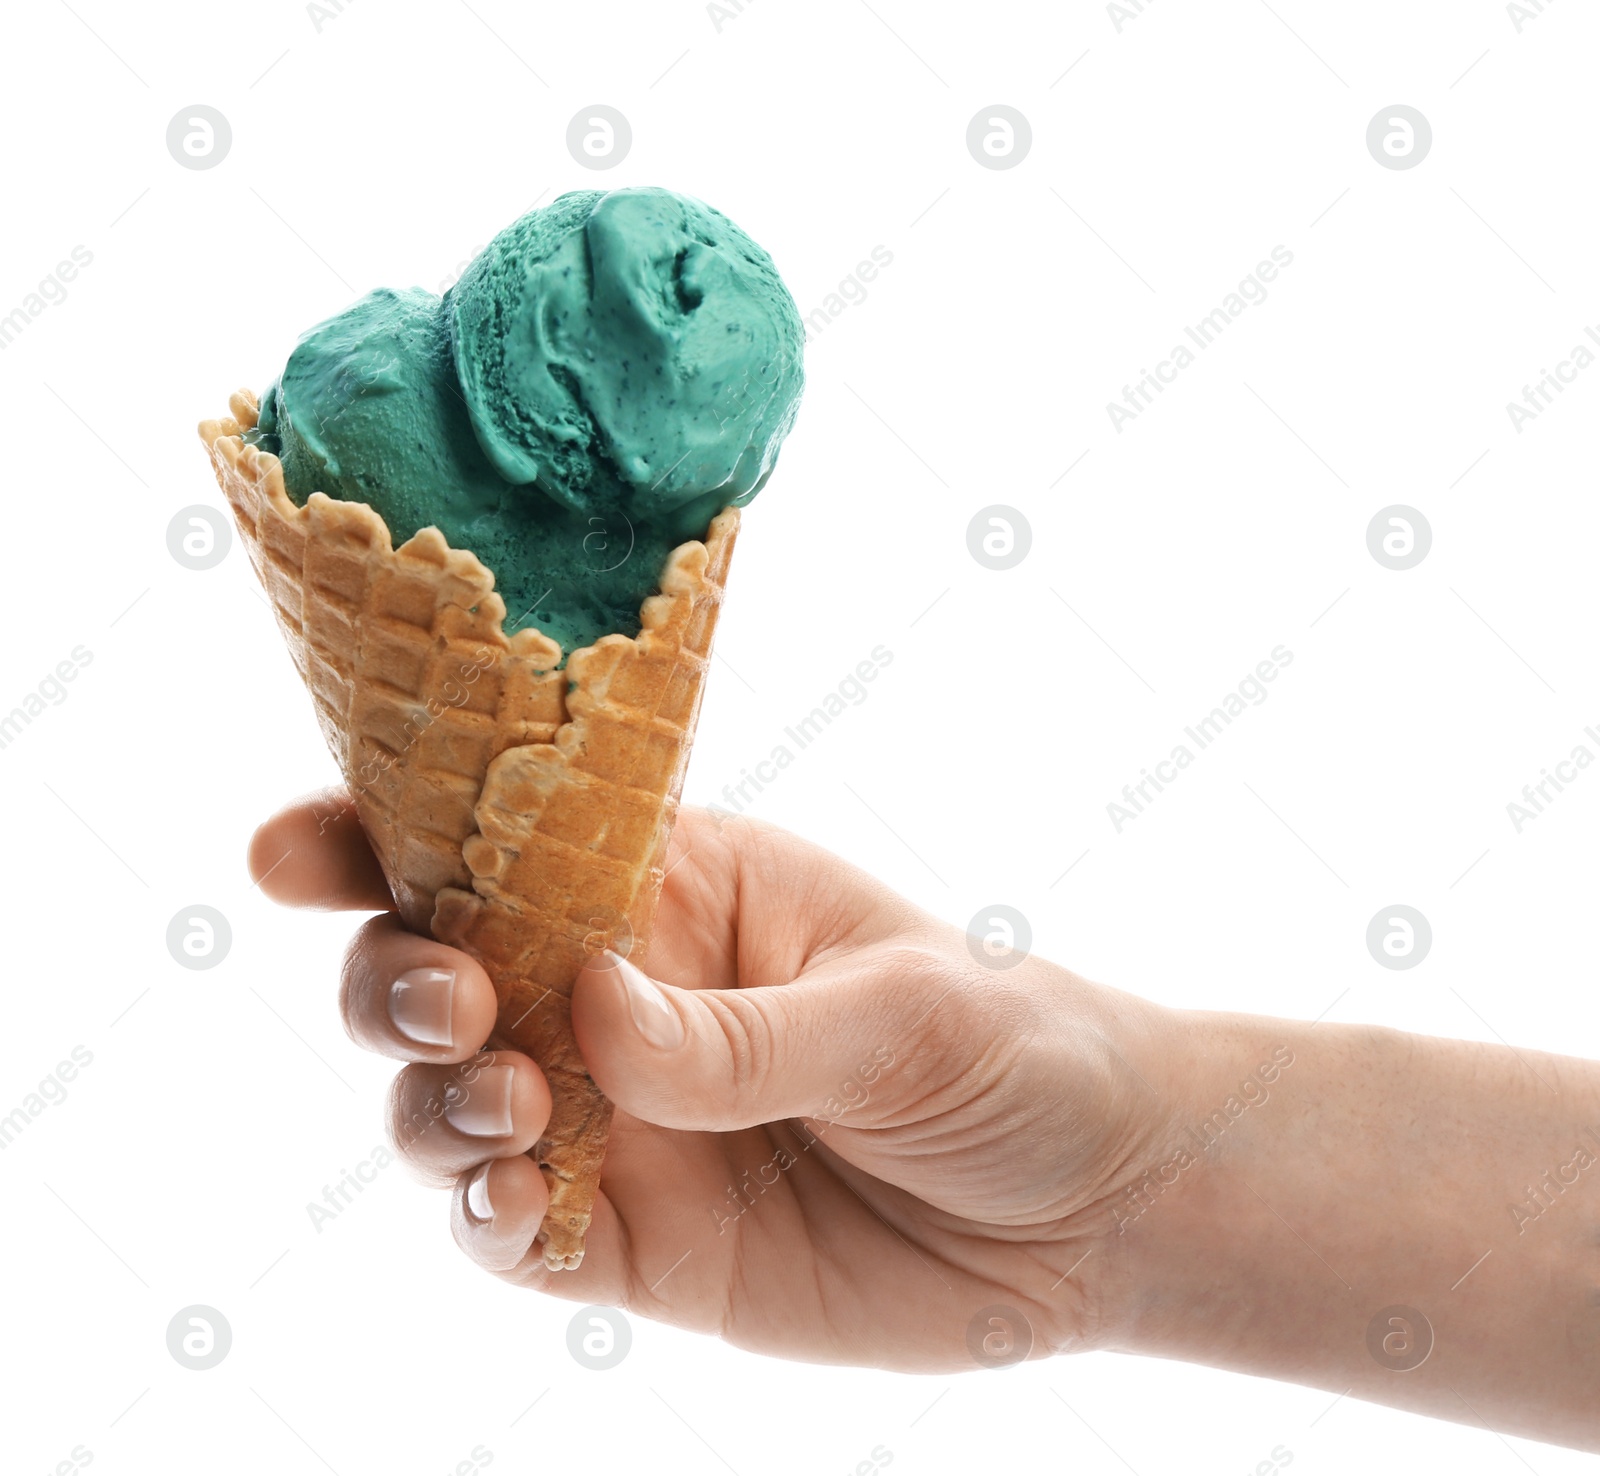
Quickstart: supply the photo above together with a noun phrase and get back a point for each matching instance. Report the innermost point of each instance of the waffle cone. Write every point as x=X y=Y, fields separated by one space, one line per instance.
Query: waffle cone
x=516 y=819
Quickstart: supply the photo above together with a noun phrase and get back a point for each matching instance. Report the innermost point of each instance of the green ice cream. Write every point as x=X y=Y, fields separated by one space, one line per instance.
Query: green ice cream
x=606 y=376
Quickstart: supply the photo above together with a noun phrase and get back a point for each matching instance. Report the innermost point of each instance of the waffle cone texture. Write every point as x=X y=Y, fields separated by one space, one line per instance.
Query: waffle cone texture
x=517 y=817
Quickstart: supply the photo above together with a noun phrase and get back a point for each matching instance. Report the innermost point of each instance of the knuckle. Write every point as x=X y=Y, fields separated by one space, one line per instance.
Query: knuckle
x=922 y=979
x=741 y=1030
x=939 y=1002
x=405 y=1113
x=355 y=973
x=417 y=1101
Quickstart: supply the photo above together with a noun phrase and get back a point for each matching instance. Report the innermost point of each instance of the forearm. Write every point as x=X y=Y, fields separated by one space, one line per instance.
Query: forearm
x=1377 y=1170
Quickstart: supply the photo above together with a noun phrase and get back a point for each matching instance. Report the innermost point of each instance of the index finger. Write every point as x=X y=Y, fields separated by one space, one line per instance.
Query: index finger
x=313 y=853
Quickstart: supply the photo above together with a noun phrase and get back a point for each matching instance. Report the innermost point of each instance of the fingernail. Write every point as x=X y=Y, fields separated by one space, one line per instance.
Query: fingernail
x=478 y=1205
x=420 y=1003
x=658 y=1022
x=483 y=1110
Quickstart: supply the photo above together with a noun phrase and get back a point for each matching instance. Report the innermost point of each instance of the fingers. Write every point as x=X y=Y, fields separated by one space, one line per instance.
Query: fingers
x=865 y=1031
x=456 y=1116
x=445 y=1120
x=313 y=853
x=412 y=999
x=497 y=1211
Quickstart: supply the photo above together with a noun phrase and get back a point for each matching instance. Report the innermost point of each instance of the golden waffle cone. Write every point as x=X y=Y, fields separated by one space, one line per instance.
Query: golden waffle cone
x=516 y=819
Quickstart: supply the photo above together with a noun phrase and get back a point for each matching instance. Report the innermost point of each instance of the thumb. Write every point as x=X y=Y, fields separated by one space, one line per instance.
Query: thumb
x=717 y=1060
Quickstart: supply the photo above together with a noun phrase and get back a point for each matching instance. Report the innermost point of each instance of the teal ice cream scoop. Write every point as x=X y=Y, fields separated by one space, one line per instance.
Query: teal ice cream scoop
x=608 y=374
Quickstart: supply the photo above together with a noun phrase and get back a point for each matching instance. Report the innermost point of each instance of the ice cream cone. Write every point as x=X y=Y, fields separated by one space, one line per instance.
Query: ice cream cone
x=521 y=812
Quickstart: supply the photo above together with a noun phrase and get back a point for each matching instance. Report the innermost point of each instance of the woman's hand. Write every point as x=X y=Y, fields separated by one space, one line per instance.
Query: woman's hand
x=841 y=1134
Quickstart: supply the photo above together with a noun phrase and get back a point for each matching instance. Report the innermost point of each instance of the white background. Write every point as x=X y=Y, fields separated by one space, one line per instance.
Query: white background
x=1168 y=158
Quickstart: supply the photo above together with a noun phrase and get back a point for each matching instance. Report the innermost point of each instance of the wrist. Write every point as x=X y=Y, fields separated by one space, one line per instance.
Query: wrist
x=1171 y=1094
x=1232 y=1095
x=1190 y=1096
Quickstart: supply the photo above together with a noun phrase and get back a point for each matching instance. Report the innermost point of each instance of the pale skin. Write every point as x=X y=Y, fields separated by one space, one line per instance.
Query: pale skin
x=840 y=1136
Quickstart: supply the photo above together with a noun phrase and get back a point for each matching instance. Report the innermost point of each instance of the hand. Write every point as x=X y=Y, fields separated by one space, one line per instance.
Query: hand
x=839 y=1136
x=842 y=1137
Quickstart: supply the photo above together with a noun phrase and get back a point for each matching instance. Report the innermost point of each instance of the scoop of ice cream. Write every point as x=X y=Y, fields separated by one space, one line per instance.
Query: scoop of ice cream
x=367 y=410
x=633 y=351
x=610 y=373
